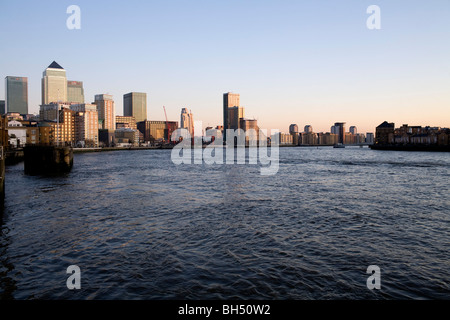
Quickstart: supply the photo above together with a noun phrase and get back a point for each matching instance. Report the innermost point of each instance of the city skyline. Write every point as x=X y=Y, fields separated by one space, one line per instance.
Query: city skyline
x=290 y=62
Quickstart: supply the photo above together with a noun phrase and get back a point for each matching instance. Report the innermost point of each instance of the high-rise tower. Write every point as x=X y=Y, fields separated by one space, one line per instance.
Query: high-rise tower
x=54 y=84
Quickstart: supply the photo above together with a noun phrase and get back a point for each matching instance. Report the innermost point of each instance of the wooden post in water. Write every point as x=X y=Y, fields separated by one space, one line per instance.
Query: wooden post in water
x=47 y=160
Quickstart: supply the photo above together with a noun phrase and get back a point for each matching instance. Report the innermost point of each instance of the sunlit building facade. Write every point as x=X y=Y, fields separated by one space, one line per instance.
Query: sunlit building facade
x=54 y=84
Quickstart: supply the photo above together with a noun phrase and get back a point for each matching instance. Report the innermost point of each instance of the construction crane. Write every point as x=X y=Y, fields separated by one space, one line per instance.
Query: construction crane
x=167 y=126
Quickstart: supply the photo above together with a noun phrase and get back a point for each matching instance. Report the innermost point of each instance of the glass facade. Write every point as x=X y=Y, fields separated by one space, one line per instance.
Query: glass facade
x=135 y=105
x=17 y=94
x=54 y=86
x=75 y=91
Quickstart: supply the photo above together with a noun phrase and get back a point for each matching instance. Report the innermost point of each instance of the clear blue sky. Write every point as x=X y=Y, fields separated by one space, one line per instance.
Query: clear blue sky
x=305 y=62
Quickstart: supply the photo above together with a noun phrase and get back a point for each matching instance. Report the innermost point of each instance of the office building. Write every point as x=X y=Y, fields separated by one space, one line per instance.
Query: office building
x=106 y=111
x=126 y=122
x=135 y=105
x=235 y=114
x=229 y=100
x=353 y=130
x=126 y=137
x=16 y=93
x=339 y=129
x=2 y=107
x=75 y=92
x=54 y=84
x=154 y=131
x=187 y=121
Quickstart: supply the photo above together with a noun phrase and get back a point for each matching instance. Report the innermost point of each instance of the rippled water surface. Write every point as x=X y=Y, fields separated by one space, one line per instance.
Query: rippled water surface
x=140 y=227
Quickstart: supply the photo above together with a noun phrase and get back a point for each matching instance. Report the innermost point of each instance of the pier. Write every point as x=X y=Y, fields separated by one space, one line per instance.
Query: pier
x=47 y=160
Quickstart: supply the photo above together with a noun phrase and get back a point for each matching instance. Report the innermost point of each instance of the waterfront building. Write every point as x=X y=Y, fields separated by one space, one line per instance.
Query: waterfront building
x=247 y=124
x=17 y=134
x=135 y=105
x=126 y=137
x=353 y=130
x=75 y=92
x=86 y=124
x=309 y=138
x=126 y=122
x=230 y=100
x=47 y=132
x=339 y=129
x=54 y=84
x=384 y=133
x=235 y=114
x=155 y=131
x=293 y=128
x=349 y=138
x=65 y=131
x=412 y=135
x=328 y=139
x=187 y=121
x=16 y=93
x=369 y=138
x=308 y=129
x=285 y=138
x=106 y=111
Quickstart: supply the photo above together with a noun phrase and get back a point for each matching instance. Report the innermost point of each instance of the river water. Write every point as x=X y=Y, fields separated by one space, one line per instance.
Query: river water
x=140 y=227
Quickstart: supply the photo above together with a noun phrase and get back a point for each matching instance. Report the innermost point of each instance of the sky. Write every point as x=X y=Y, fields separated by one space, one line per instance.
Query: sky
x=305 y=62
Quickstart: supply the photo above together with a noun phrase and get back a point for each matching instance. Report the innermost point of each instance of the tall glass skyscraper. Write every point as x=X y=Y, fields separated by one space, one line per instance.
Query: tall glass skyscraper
x=16 y=94
x=187 y=121
x=75 y=91
x=135 y=105
x=229 y=100
x=54 y=84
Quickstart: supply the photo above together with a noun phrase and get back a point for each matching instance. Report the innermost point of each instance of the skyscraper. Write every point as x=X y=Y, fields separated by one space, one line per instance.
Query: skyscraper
x=54 y=84
x=229 y=100
x=187 y=121
x=105 y=108
x=75 y=92
x=353 y=130
x=16 y=93
x=235 y=114
x=339 y=129
x=135 y=105
x=2 y=107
